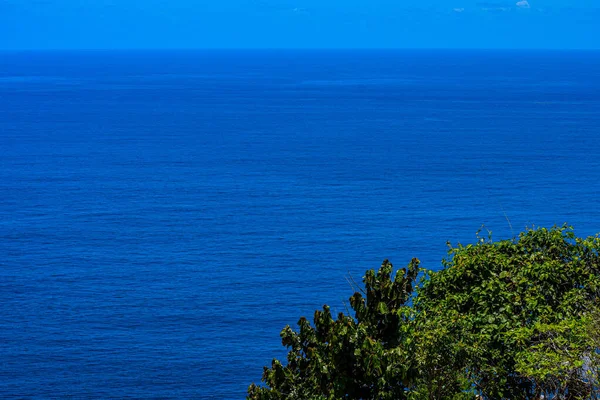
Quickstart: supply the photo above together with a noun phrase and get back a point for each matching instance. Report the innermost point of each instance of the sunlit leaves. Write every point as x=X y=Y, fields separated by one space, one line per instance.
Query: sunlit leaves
x=514 y=319
x=521 y=311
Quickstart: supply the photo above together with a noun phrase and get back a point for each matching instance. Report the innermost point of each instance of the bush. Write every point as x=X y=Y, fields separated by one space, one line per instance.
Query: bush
x=514 y=319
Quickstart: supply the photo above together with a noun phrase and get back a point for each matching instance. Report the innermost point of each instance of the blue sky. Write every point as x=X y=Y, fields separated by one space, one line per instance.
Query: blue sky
x=89 y=24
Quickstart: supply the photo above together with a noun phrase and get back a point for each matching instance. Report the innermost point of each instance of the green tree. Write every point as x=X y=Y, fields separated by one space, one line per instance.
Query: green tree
x=349 y=358
x=519 y=313
x=514 y=319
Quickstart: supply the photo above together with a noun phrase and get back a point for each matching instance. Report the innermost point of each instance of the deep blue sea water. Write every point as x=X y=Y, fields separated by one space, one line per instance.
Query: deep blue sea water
x=164 y=214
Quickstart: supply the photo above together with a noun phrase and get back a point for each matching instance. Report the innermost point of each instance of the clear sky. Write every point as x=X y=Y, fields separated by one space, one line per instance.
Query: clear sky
x=89 y=24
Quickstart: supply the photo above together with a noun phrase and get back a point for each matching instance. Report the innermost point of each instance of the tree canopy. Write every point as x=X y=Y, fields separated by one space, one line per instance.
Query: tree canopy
x=513 y=319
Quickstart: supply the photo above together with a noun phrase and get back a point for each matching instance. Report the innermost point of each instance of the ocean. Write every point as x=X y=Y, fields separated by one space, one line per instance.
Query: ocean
x=164 y=214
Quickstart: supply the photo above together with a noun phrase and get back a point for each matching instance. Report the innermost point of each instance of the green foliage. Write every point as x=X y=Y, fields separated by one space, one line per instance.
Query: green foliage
x=354 y=358
x=514 y=319
x=520 y=312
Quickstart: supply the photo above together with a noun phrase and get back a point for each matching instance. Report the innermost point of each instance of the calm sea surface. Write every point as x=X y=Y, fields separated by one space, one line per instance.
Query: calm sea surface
x=164 y=214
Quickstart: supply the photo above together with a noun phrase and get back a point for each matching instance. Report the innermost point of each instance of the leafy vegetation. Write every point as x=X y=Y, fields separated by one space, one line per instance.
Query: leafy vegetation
x=514 y=319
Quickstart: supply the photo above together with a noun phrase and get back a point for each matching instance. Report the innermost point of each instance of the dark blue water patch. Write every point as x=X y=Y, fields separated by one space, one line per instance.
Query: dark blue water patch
x=164 y=214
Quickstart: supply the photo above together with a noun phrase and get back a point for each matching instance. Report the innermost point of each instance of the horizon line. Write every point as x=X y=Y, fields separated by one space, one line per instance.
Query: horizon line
x=82 y=49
